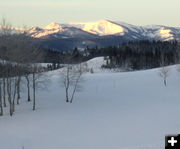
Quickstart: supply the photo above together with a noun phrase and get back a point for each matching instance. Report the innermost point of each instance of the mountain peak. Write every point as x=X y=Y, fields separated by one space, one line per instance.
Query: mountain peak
x=165 y=32
x=53 y=26
x=34 y=29
x=101 y=27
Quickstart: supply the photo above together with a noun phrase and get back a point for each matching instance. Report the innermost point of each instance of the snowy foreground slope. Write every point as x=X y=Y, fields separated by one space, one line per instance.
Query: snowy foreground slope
x=129 y=110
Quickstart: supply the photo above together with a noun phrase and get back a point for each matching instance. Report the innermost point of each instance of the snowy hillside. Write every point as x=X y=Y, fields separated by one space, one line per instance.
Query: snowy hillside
x=130 y=110
x=95 y=64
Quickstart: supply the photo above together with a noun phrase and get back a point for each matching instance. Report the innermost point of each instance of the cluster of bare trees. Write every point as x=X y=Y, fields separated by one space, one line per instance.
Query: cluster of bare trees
x=18 y=66
x=19 y=70
x=71 y=79
x=13 y=77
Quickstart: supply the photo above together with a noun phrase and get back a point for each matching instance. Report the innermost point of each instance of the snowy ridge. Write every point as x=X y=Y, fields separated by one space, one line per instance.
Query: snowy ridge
x=58 y=31
x=52 y=28
x=104 y=28
x=107 y=27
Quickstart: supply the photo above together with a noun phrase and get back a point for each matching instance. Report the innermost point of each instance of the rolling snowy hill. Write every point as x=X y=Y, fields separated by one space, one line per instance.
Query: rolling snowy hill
x=130 y=110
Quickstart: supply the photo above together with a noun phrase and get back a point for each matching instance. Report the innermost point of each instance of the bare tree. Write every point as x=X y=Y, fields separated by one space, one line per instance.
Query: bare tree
x=40 y=80
x=11 y=82
x=6 y=28
x=178 y=60
x=1 y=104
x=27 y=77
x=164 y=70
x=4 y=91
x=5 y=32
x=164 y=73
x=34 y=78
x=71 y=78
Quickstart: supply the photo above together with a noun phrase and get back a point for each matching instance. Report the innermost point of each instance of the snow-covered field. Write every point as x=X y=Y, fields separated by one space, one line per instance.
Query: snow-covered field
x=129 y=110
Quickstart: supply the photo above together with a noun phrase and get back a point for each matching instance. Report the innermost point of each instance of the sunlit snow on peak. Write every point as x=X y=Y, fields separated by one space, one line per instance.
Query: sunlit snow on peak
x=53 y=26
x=165 y=32
x=102 y=27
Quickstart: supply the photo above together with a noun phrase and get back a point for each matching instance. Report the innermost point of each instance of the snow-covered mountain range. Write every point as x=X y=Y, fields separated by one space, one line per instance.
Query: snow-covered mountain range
x=104 y=28
x=101 y=33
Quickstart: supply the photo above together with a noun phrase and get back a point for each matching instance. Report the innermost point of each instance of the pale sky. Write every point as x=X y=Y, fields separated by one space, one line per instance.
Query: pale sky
x=137 y=12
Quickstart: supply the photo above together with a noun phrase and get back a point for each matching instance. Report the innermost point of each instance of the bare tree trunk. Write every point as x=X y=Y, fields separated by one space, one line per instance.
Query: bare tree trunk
x=13 y=106
x=34 y=92
x=18 y=89
x=1 y=104
x=14 y=94
x=11 y=109
x=4 y=92
x=67 y=83
x=75 y=87
x=28 y=87
x=9 y=96
x=165 y=83
x=67 y=95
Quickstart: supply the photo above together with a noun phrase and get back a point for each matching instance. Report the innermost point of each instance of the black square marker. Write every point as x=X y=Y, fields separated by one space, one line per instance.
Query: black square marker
x=172 y=142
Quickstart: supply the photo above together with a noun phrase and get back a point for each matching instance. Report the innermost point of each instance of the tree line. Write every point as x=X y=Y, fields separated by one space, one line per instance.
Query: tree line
x=18 y=62
x=134 y=55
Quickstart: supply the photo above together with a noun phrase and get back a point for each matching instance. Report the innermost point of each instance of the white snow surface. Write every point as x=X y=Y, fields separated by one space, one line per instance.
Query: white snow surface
x=129 y=110
x=96 y=64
